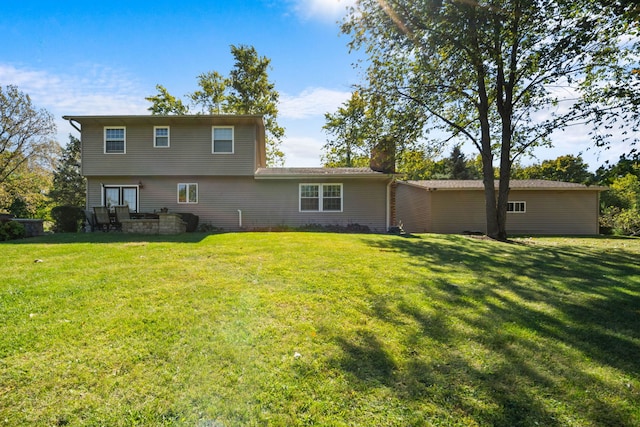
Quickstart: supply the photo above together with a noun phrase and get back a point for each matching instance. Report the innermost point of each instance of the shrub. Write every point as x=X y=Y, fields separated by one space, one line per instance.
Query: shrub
x=620 y=221
x=191 y=220
x=11 y=230
x=67 y=219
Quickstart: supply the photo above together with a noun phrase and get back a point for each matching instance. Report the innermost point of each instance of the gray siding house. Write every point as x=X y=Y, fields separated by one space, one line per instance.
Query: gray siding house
x=535 y=207
x=214 y=166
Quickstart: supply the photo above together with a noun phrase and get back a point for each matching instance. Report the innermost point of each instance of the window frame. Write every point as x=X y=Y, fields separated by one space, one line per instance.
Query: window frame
x=511 y=207
x=155 y=137
x=121 y=196
x=321 y=197
x=124 y=139
x=188 y=201
x=213 y=139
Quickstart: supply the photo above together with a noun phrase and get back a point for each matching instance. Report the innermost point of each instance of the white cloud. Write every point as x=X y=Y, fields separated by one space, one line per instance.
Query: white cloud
x=302 y=151
x=86 y=90
x=323 y=10
x=311 y=102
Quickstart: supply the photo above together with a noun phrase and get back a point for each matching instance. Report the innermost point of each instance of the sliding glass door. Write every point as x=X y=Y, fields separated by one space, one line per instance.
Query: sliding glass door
x=120 y=195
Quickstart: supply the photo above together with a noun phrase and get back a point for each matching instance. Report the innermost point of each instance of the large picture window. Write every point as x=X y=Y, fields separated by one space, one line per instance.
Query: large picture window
x=188 y=193
x=320 y=197
x=222 y=139
x=115 y=140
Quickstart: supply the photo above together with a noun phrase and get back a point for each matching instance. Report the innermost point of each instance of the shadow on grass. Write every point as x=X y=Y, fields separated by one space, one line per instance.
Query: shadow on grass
x=530 y=338
x=110 y=237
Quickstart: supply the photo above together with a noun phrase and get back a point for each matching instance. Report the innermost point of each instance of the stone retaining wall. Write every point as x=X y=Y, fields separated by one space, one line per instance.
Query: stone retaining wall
x=32 y=227
x=165 y=224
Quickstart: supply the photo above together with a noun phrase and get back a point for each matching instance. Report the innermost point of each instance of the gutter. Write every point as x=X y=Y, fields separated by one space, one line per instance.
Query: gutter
x=71 y=120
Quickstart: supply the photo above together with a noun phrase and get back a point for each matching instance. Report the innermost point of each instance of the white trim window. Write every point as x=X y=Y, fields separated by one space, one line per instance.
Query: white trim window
x=161 y=137
x=320 y=198
x=516 y=207
x=188 y=193
x=120 y=195
x=222 y=139
x=115 y=140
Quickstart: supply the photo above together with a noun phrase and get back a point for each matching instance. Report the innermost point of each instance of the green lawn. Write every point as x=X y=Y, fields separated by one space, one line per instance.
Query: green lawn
x=319 y=329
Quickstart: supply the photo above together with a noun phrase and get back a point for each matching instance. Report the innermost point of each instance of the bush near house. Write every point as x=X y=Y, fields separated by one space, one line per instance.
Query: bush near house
x=191 y=220
x=67 y=219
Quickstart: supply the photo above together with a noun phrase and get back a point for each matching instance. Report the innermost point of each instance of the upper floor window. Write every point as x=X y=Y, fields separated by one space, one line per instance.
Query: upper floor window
x=320 y=197
x=115 y=139
x=161 y=136
x=516 y=207
x=222 y=139
x=187 y=193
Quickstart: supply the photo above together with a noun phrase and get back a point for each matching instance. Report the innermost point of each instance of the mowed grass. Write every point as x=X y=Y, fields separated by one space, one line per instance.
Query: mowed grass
x=319 y=329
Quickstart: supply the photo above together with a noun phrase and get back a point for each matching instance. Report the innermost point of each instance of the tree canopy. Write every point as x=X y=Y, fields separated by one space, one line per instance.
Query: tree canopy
x=492 y=72
x=26 y=133
x=247 y=90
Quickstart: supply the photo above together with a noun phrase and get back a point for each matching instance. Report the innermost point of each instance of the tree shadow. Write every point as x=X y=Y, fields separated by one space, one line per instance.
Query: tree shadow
x=536 y=314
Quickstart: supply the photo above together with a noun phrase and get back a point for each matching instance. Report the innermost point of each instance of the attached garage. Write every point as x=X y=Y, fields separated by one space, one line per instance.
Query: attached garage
x=535 y=207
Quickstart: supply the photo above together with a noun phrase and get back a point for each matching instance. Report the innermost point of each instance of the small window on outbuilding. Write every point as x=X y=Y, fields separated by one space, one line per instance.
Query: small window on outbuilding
x=517 y=207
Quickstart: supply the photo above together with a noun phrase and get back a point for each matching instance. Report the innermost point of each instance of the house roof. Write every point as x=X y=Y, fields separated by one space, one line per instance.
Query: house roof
x=514 y=184
x=297 y=173
x=169 y=117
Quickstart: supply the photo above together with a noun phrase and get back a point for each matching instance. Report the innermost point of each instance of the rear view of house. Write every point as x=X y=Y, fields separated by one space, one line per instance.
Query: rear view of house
x=535 y=207
x=214 y=166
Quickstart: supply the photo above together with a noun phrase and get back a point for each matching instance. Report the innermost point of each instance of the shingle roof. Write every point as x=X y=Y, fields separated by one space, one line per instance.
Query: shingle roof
x=283 y=173
x=514 y=184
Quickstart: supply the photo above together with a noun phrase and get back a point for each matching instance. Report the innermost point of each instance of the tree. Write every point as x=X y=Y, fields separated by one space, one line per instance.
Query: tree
x=25 y=132
x=627 y=164
x=621 y=205
x=165 y=104
x=69 y=185
x=24 y=192
x=459 y=166
x=567 y=168
x=247 y=90
x=251 y=92
x=348 y=147
x=211 y=95
x=484 y=71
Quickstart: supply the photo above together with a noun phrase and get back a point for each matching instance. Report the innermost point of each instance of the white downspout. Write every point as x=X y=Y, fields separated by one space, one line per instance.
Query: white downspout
x=239 y=218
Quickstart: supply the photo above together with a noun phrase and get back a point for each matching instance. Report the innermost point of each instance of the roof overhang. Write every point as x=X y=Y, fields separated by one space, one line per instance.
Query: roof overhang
x=168 y=119
x=514 y=185
x=319 y=173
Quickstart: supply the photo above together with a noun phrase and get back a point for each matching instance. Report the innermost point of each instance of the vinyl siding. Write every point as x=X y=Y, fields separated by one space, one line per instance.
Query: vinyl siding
x=457 y=211
x=413 y=208
x=263 y=204
x=555 y=212
x=190 y=152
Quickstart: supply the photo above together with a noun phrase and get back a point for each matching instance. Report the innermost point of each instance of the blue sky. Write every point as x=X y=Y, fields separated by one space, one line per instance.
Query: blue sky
x=92 y=58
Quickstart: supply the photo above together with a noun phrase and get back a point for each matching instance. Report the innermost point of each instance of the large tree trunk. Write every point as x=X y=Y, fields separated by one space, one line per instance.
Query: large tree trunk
x=491 y=211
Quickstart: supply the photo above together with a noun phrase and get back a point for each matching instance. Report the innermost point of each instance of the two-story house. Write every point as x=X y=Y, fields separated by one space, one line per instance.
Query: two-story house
x=214 y=166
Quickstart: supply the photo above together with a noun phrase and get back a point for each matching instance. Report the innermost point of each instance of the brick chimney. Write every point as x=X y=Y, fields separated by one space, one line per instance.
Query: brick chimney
x=383 y=156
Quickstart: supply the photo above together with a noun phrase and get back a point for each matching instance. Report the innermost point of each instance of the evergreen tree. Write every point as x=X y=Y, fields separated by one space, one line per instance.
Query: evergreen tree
x=69 y=186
